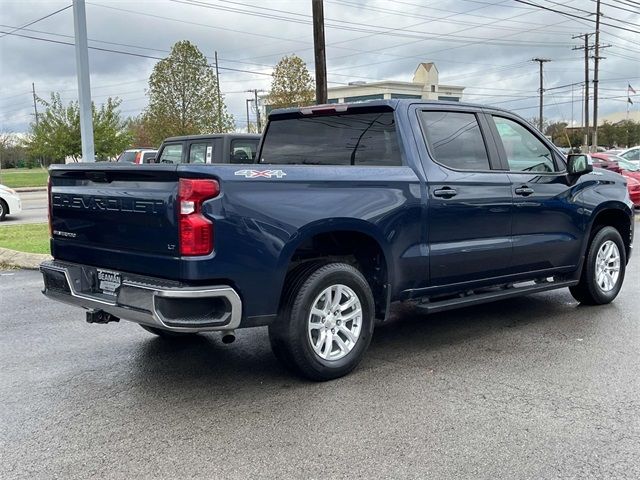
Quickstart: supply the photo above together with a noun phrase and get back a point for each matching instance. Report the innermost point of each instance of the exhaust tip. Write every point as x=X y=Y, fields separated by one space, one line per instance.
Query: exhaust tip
x=228 y=338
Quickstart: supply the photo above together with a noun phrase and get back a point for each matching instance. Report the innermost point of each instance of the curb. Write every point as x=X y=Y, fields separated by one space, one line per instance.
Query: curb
x=17 y=259
x=30 y=189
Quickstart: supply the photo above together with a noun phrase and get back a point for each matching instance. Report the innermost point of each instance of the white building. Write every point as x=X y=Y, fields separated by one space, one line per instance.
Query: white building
x=425 y=85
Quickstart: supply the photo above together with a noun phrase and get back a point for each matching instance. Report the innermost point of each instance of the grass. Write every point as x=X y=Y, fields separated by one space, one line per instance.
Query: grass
x=31 y=238
x=24 y=177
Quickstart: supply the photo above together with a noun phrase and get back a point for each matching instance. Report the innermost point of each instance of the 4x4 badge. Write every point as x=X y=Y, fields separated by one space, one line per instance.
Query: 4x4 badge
x=260 y=173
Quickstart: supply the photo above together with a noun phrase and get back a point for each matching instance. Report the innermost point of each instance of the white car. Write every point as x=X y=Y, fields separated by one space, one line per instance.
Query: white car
x=631 y=154
x=10 y=203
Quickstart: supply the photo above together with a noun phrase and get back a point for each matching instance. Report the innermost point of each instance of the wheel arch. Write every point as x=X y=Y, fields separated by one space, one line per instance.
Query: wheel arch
x=356 y=241
x=617 y=215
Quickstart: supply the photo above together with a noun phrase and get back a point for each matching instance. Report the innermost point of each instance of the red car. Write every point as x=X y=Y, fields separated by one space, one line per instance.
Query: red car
x=606 y=161
x=624 y=167
x=632 y=172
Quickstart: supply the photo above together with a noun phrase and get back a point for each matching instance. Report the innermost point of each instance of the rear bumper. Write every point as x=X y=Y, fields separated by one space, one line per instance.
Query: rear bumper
x=146 y=300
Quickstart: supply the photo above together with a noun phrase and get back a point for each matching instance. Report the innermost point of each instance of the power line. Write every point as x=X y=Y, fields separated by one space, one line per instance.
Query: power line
x=359 y=27
x=36 y=20
x=619 y=7
x=576 y=16
x=141 y=55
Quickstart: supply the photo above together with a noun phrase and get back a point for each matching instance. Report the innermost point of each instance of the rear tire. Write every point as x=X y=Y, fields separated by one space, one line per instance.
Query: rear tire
x=4 y=209
x=325 y=323
x=160 y=332
x=603 y=270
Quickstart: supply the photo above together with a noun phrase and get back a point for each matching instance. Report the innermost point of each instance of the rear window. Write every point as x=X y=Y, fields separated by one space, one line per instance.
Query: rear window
x=128 y=157
x=349 y=139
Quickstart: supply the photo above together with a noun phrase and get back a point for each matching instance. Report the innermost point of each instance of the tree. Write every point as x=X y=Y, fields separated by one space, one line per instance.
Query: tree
x=557 y=132
x=12 y=154
x=183 y=96
x=292 y=85
x=57 y=134
x=139 y=131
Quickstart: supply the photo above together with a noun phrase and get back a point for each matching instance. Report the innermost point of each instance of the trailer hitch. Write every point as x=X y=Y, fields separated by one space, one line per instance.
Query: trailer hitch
x=100 y=316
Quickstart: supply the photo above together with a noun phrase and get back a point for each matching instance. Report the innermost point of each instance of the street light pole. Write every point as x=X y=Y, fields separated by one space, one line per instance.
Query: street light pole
x=84 y=85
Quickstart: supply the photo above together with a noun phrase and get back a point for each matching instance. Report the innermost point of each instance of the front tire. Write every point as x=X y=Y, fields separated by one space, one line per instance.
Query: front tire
x=604 y=269
x=325 y=323
x=4 y=209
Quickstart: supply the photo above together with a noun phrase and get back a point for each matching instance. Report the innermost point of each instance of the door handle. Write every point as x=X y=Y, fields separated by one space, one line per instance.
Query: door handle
x=524 y=191
x=445 y=192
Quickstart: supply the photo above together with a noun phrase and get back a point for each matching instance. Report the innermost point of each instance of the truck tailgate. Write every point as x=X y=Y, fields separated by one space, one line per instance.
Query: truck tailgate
x=118 y=208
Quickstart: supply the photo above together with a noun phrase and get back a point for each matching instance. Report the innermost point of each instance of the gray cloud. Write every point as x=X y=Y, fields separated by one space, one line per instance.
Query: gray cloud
x=484 y=45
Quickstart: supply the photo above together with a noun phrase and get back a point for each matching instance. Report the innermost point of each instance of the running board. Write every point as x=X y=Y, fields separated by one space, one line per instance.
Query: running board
x=466 y=300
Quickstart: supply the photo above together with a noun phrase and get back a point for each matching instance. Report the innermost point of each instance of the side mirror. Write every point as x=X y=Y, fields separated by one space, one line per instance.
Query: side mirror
x=579 y=164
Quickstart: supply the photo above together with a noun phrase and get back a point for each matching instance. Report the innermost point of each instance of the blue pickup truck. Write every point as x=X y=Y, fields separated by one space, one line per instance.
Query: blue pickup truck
x=347 y=208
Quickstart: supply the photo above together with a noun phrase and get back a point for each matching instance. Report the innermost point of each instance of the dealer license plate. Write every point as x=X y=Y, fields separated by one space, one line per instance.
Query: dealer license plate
x=108 y=282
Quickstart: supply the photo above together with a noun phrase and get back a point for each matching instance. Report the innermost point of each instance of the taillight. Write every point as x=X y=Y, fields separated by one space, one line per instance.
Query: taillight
x=138 y=157
x=49 y=208
x=196 y=231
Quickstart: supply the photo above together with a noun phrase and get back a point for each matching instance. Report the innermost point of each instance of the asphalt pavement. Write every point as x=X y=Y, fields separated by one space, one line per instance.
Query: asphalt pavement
x=535 y=387
x=34 y=209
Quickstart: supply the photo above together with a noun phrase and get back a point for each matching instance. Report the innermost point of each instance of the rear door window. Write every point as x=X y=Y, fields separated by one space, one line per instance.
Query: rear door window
x=243 y=151
x=171 y=153
x=455 y=140
x=344 y=139
x=200 y=152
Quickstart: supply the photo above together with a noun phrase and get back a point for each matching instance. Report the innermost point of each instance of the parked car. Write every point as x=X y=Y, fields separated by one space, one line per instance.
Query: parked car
x=349 y=207
x=215 y=148
x=606 y=161
x=631 y=171
x=138 y=156
x=633 y=185
x=10 y=203
x=631 y=154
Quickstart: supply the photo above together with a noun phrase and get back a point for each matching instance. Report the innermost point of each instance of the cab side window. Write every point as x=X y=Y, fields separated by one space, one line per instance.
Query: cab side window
x=200 y=153
x=171 y=154
x=455 y=140
x=524 y=151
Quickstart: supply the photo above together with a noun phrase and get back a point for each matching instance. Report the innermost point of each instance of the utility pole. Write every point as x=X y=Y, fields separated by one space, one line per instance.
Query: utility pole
x=596 y=66
x=586 y=47
x=541 y=61
x=35 y=106
x=84 y=85
x=255 y=99
x=219 y=96
x=319 y=49
x=248 y=121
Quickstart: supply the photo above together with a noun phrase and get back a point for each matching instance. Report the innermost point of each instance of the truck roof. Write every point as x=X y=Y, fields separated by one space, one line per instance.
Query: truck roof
x=391 y=104
x=211 y=135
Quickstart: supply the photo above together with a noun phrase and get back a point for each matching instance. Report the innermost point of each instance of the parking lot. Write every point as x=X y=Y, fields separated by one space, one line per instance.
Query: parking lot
x=536 y=387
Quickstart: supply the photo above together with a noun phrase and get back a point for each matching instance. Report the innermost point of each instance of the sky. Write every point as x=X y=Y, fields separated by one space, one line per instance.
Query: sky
x=483 y=45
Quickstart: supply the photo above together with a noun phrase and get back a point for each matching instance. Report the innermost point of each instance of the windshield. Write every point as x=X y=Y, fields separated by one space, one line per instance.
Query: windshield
x=128 y=156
